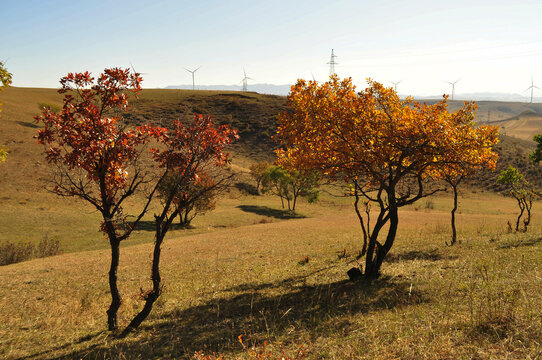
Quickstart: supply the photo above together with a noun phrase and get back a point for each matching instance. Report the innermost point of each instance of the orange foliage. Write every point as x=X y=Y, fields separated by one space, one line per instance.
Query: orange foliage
x=387 y=148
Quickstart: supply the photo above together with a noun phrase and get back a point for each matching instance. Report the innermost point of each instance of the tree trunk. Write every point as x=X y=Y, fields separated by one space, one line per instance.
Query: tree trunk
x=522 y=209
x=152 y=295
x=454 y=232
x=376 y=252
x=115 y=294
x=382 y=251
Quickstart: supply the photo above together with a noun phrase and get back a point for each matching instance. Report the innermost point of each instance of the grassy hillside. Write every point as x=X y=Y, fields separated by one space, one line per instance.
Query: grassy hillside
x=29 y=213
x=522 y=126
x=250 y=269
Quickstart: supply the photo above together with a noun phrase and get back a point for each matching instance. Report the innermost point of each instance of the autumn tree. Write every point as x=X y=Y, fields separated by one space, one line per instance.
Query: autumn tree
x=5 y=81
x=389 y=150
x=522 y=191
x=289 y=185
x=191 y=153
x=536 y=156
x=96 y=156
x=257 y=171
x=472 y=152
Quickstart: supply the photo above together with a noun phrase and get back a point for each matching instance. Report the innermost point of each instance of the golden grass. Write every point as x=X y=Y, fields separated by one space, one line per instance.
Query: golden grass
x=482 y=298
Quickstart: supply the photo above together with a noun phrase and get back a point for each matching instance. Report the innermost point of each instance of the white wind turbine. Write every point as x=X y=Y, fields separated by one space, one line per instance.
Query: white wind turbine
x=395 y=84
x=453 y=86
x=245 y=80
x=193 y=71
x=532 y=87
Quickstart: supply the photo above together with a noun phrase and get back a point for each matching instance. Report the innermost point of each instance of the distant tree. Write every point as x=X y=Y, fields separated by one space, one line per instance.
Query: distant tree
x=3 y=153
x=520 y=190
x=473 y=151
x=5 y=76
x=195 y=199
x=389 y=150
x=257 y=171
x=290 y=185
x=5 y=81
x=536 y=156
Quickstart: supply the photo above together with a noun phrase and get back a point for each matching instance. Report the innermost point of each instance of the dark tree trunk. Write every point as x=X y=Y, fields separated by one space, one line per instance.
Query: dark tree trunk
x=153 y=294
x=454 y=232
x=115 y=294
x=361 y=222
x=376 y=252
x=522 y=209
x=527 y=220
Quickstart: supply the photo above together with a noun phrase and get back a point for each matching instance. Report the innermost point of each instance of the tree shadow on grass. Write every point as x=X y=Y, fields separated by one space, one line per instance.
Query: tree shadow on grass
x=431 y=255
x=28 y=124
x=270 y=212
x=520 y=243
x=149 y=225
x=259 y=316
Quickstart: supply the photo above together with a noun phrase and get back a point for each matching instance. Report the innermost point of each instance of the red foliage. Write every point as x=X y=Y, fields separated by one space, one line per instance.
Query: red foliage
x=88 y=133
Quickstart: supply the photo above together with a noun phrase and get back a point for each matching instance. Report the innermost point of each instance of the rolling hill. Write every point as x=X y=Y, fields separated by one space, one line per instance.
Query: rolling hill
x=253 y=114
x=246 y=270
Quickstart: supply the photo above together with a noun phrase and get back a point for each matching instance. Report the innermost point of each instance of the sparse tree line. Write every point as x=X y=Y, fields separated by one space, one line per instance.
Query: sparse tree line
x=390 y=152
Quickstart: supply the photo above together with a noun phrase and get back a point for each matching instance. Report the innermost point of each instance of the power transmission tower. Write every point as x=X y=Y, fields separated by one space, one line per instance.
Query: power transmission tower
x=332 y=63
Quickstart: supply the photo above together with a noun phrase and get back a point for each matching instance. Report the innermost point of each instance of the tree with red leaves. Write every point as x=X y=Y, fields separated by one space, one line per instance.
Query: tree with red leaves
x=96 y=156
x=98 y=159
x=192 y=153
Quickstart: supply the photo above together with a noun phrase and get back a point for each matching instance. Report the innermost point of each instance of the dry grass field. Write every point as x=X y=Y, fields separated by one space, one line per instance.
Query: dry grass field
x=523 y=126
x=479 y=299
x=248 y=268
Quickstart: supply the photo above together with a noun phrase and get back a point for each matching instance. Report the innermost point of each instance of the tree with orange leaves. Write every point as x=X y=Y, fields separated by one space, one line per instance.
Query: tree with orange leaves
x=389 y=150
x=473 y=151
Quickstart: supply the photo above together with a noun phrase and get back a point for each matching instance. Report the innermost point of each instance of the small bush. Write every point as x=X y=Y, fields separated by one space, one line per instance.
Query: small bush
x=47 y=247
x=52 y=107
x=429 y=204
x=11 y=253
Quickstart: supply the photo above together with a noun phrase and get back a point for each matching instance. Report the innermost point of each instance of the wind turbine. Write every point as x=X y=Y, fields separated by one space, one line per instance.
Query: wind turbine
x=245 y=80
x=193 y=71
x=532 y=87
x=134 y=70
x=453 y=86
x=395 y=84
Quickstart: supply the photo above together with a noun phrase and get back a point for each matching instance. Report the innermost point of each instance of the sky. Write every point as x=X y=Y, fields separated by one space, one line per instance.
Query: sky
x=490 y=46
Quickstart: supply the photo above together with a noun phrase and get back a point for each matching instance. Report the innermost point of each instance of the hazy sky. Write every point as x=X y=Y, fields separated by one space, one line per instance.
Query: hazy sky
x=492 y=46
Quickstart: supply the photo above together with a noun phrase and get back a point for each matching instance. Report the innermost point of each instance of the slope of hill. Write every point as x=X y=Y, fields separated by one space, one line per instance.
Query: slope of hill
x=522 y=126
x=254 y=115
x=28 y=212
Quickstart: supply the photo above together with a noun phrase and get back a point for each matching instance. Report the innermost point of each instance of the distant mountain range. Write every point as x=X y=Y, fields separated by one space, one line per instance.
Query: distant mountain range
x=488 y=96
x=270 y=89
x=283 y=90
